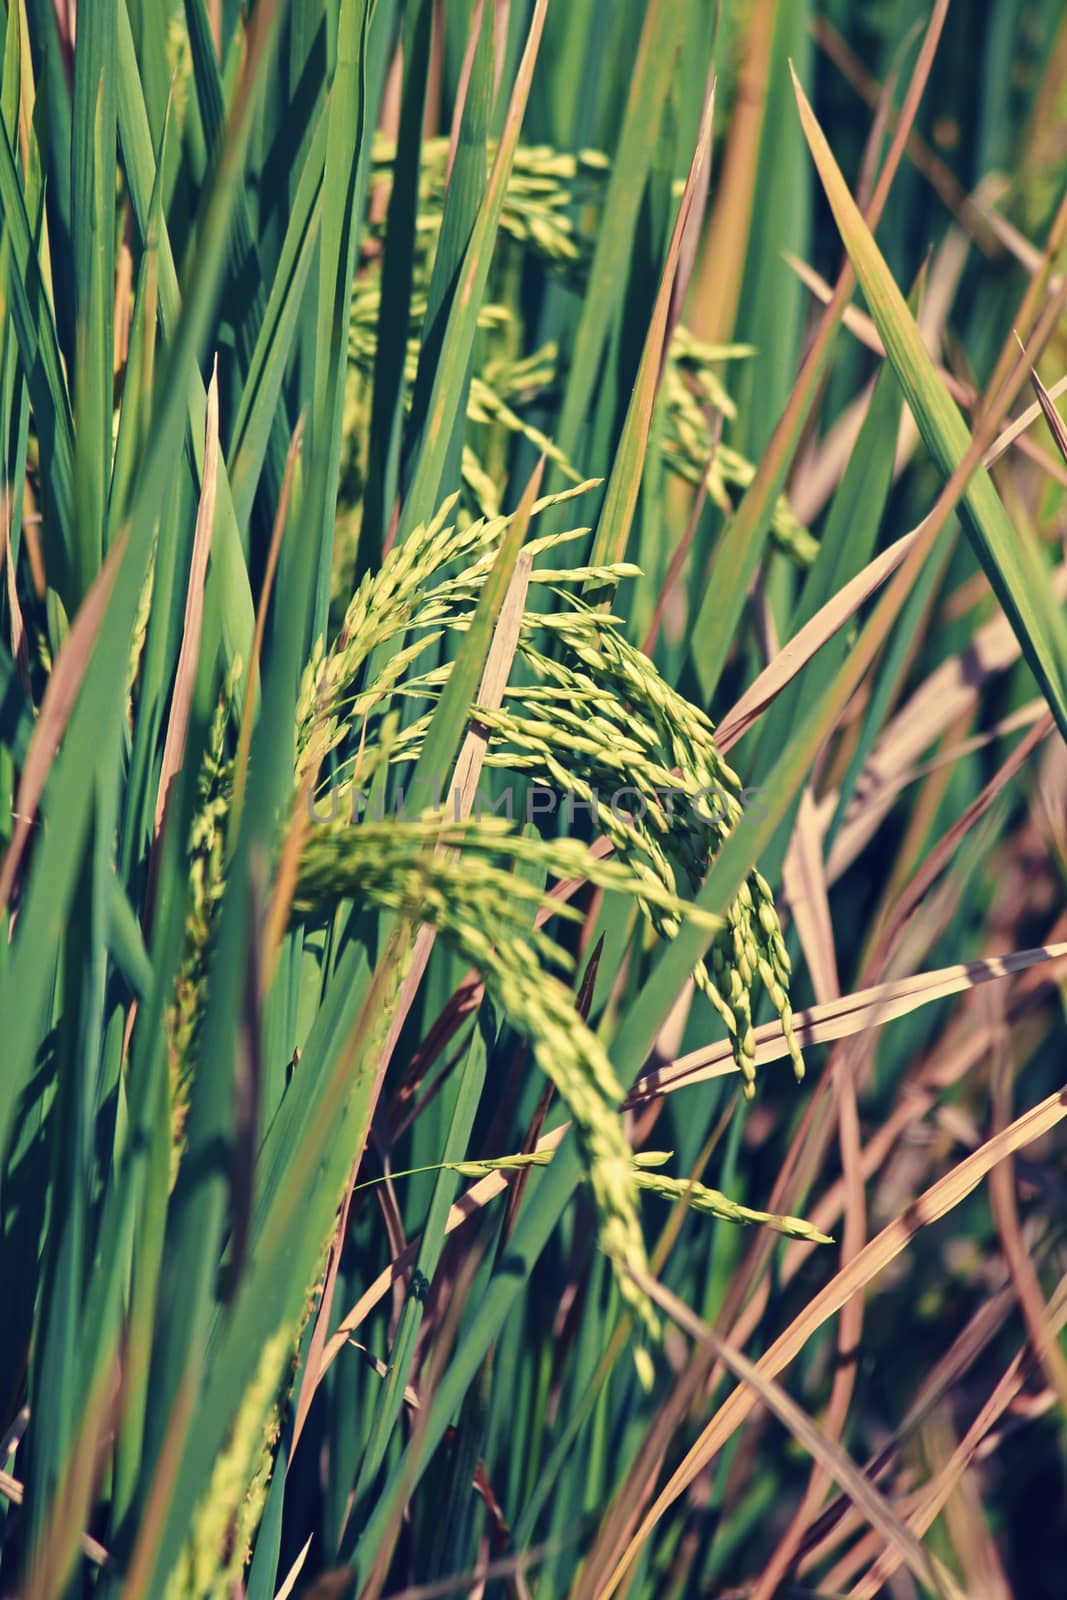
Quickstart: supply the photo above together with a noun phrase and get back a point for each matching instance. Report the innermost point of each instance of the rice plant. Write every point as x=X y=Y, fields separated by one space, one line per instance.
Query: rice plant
x=533 y=593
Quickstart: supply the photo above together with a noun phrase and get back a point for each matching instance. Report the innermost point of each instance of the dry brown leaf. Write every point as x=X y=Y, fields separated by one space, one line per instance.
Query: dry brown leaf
x=189 y=655
x=14 y=1490
x=816 y=934
x=948 y=755
x=938 y=858
x=61 y=691
x=821 y=466
x=717 y=289
x=294 y=1571
x=852 y=1014
x=864 y=1494
x=19 y=648
x=950 y=691
x=505 y=642
x=995 y=642
x=463 y=87
x=812 y=636
x=1052 y=416
x=934 y=1495
x=804 y=884
x=941 y=1198
x=1005 y=1208
x=867 y=1008
x=818 y=479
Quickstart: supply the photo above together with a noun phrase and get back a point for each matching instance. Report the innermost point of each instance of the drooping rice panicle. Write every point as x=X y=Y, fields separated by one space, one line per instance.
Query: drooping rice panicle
x=206 y=868
x=546 y=190
x=219 y=1542
x=444 y=874
x=599 y=726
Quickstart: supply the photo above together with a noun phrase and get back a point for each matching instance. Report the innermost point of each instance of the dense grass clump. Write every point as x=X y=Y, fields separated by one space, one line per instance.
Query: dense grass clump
x=533 y=592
